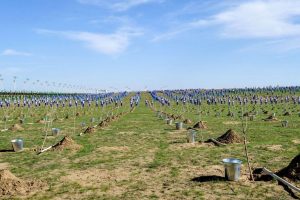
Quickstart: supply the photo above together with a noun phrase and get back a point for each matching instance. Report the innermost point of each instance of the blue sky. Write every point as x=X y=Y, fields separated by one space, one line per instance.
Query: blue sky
x=115 y=44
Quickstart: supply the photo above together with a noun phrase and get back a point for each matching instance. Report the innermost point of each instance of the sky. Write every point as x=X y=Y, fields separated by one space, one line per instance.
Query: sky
x=148 y=44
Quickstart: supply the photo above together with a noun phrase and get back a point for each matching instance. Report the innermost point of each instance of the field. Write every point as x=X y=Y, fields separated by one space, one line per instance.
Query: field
x=139 y=156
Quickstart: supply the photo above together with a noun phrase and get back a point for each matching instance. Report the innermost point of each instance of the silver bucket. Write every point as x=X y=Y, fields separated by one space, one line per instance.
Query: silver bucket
x=82 y=124
x=232 y=169
x=179 y=125
x=284 y=123
x=17 y=145
x=191 y=136
x=169 y=121
x=55 y=131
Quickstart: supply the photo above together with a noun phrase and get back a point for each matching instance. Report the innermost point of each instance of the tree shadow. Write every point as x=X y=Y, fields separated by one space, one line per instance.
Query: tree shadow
x=177 y=142
x=203 y=179
x=6 y=150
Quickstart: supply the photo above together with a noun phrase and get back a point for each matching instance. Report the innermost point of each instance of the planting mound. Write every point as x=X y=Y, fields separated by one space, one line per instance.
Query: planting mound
x=266 y=112
x=108 y=119
x=66 y=143
x=41 y=121
x=229 y=137
x=102 y=124
x=16 y=127
x=200 y=125
x=271 y=118
x=292 y=171
x=89 y=130
x=10 y=185
x=287 y=114
x=114 y=118
x=187 y=121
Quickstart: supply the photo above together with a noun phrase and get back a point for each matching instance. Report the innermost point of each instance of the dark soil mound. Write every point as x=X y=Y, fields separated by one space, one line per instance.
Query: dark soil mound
x=114 y=118
x=89 y=130
x=102 y=124
x=246 y=114
x=287 y=114
x=292 y=171
x=200 y=125
x=187 y=121
x=229 y=137
x=66 y=143
x=271 y=118
x=77 y=114
x=10 y=185
x=108 y=119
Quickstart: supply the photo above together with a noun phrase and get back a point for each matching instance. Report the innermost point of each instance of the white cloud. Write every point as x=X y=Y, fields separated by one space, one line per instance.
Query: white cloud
x=12 y=52
x=109 y=44
x=119 y=5
x=266 y=19
x=260 y=19
x=180 y=29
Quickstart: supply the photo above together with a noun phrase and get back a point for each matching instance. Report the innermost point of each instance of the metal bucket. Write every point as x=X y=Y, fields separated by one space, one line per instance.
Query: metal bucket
x=55 y=131
x=17 y=145
x=169 y=121
x=232 y=169
x=284 y=123
x=191 y=136
x=82 y=124
x=179 y=125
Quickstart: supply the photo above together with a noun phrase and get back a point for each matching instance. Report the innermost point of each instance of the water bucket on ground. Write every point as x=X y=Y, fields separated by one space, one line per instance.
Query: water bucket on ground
x=17 y=145
x=179 y=125
x=284 y=123
x=191 y=136
x=169 y=121
x=232 y=169
x=55 y=131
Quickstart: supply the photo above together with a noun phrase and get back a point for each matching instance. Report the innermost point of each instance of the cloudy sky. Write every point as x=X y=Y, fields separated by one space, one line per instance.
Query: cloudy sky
x=154 y=44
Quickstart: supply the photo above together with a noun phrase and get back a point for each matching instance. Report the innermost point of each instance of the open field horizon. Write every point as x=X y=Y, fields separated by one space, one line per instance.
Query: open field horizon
x=149 y=99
